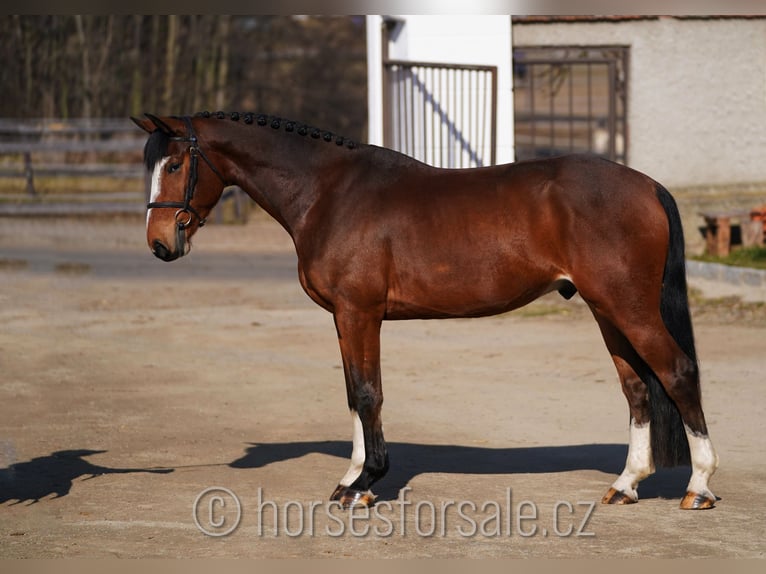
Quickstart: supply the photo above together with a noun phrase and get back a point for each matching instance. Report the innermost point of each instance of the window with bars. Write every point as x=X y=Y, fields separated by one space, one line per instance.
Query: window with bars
x=570 y=99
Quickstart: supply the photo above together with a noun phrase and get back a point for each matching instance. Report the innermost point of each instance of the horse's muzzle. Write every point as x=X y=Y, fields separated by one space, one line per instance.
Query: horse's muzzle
x=160 y=250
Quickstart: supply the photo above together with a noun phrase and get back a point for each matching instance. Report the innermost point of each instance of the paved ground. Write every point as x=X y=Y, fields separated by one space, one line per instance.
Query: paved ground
x=129 y=386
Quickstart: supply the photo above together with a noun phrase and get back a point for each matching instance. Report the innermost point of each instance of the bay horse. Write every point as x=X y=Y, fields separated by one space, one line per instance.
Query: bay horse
x=381 y=236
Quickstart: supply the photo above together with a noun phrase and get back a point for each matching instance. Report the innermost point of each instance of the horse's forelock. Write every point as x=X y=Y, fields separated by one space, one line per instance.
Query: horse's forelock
x=156 y=148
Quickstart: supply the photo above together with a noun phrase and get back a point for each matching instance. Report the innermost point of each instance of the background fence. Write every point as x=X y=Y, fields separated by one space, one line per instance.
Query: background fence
x=82 y=166
x=442 y=114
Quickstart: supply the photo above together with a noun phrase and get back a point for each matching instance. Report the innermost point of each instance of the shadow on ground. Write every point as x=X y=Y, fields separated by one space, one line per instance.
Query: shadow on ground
x=29 y=482
x=409 y=460
x=53 y=475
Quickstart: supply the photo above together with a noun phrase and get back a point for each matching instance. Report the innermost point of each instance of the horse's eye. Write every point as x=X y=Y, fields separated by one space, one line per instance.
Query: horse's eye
x=174 y=167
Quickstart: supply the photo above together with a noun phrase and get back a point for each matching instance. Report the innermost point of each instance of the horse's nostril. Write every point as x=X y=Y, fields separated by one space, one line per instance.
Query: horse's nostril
x=160 y=250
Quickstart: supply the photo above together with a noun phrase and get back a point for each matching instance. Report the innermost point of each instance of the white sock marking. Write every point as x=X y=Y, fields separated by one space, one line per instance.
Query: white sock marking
x=704 y=463
x=639 y=464
x=357 y=454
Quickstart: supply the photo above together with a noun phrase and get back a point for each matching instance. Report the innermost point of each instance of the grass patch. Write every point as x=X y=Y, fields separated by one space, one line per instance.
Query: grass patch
x=754 y=257
x=729 y=309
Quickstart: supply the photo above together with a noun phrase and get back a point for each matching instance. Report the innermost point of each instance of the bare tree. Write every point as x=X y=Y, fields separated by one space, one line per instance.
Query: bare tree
x=306 y=68
x=171 y=53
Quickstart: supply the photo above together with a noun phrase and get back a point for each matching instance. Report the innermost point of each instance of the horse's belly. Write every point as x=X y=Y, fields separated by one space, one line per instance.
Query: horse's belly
x=470 y=295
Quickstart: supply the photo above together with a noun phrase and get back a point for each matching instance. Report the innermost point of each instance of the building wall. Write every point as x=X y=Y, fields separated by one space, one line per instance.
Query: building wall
x=463 y=39
x=697 y=93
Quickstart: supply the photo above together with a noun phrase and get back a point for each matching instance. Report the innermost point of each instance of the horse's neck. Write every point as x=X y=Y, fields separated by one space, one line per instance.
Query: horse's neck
x=280 y=172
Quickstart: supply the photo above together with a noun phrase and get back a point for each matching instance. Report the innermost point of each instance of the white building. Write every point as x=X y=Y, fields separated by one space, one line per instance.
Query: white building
x=460 y=103
x=682 y=99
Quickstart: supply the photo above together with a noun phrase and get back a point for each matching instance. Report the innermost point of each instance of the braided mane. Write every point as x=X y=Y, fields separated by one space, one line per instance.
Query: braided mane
x=277 y=123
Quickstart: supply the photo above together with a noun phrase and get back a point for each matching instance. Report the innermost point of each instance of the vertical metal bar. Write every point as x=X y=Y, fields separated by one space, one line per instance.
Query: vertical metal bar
x=395 y=108
x=441 y=119
x=434 y=104
x=481 y=106
x=474 y=109
x=424 y=99
x=386 y=105
x=446 y=115
x=392 y=123
x=626 y=126
x=458 y=81
x=414 y=110
x=493 y=123
x=444 y=123
x=571 y=108
x=386 y=72
x=532 y=119
x=468 y=124
x=403 y=104
x=461 y=122
x=394 y=90
x=407 y=111
x=451 y=120
x=455 y=133
x=411 y=111
x=455 y=119
x=612 y=111
x=453 y=98
x=551 y=110
x=590 y=107
x=475 y=152
x=461 y=114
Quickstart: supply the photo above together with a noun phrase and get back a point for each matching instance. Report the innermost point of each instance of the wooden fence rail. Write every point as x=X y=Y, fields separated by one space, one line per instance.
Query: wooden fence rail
x=84 y=148
x=105 y=147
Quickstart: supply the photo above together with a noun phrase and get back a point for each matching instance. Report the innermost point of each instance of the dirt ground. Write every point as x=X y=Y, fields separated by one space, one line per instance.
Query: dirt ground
x=129 y=386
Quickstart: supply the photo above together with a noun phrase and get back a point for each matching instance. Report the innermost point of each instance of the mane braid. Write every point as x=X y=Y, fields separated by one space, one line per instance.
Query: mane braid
x=276 y=123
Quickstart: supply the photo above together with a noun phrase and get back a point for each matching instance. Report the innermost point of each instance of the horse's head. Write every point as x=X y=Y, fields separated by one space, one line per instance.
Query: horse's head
x=184 y=190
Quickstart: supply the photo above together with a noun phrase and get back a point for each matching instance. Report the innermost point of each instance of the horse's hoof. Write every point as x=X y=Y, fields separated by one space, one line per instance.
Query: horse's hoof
x=694 y=501
x=617 y=497
x=348 y=497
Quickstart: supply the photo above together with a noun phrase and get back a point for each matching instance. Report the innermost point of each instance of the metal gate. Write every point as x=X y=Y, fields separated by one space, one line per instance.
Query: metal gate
x=442 y=114
x=571 y=99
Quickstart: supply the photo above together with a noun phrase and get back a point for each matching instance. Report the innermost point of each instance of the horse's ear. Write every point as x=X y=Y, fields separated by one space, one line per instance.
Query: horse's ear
x=144 y=123
x=161 y=125
x=152 y=123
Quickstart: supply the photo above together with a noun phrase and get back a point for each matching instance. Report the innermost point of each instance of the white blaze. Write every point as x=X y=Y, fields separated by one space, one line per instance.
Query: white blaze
x=156 y=176
x=357 y=454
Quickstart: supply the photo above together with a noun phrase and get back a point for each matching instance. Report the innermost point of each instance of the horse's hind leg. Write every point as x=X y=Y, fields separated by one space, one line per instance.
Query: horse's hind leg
x=639 y=463
x=673 y=439
x=359 y=337
x=679 y=376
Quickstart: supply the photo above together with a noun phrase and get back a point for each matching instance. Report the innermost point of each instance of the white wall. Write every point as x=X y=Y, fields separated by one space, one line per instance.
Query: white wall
x=697 y=94
x=461 y=39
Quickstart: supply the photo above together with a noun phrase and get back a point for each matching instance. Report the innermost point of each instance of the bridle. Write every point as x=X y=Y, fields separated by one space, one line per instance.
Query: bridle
x=185 y=211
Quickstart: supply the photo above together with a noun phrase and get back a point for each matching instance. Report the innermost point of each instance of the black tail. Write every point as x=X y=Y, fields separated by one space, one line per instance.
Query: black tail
x=669 y=443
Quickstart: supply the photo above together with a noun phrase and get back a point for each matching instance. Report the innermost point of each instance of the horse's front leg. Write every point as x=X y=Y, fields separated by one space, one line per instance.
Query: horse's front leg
x=359 y=337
